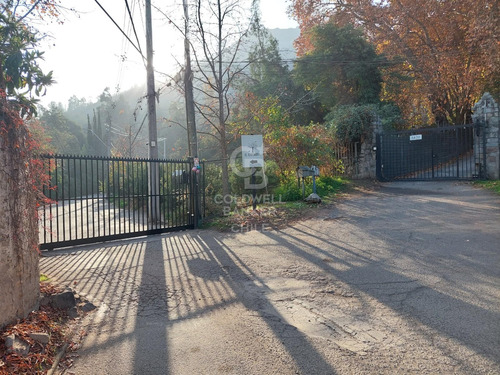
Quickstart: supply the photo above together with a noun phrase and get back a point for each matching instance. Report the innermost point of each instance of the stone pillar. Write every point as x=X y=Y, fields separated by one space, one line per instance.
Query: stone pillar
x=367 y=161
x=486 y=114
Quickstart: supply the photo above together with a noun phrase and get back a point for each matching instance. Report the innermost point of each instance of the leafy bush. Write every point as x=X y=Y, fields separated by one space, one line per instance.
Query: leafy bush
x=293 y=146
x=213 y=188
x=325 y=185
x=351 y=123
x=391 y=117
x=288 y=192
x=272 y=174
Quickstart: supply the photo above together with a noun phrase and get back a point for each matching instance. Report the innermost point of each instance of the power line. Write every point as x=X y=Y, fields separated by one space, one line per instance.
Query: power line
x=133 y=27
x=379 y=60
x=140 y=128
x=119 y=28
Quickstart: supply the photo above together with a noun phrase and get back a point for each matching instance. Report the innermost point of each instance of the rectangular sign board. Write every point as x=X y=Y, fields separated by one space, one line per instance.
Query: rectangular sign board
x=252 y=151
x=416 y=137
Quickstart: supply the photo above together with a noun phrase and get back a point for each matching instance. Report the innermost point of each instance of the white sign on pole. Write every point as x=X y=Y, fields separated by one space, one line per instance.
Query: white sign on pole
x=252 y=151
x=416 y=137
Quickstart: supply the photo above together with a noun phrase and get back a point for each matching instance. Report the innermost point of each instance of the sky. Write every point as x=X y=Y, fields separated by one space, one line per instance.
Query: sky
x=87 y=53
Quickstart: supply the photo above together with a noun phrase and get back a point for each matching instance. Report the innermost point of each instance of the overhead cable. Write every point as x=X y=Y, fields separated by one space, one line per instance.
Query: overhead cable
x=119 y=28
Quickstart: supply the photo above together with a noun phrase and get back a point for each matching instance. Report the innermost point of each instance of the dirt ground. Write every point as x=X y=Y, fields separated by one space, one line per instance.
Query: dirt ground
x=404 y=278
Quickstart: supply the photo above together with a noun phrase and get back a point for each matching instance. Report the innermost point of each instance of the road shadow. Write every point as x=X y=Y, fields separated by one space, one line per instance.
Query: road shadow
x=151 y=355
x=146 y=287
x=251 y=291
x=149 y=287
x=440 y=235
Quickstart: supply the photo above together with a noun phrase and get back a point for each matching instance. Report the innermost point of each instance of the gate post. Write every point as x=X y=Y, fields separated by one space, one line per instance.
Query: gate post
x=378 y=157
x=486 y=113
x=195 y=209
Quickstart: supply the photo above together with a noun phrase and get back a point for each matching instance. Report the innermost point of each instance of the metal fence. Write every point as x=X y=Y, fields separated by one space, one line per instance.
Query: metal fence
x=211 y=189
x=347 y=157
x=92 y=199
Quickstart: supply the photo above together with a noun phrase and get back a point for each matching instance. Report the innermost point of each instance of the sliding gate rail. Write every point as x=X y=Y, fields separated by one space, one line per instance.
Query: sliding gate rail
x=94 y=199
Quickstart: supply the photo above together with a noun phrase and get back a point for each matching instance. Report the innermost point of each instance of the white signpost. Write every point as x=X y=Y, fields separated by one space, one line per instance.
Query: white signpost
x=252 y=151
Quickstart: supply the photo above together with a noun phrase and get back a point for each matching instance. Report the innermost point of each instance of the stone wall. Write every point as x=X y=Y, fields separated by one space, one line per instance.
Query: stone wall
x=486 y=114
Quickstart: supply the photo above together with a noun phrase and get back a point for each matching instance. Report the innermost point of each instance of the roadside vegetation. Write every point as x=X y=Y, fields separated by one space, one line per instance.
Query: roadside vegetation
x=284 y=206
x=493 y=185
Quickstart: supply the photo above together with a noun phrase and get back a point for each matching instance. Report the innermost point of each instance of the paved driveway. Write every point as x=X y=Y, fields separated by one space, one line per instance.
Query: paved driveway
x=403 y=279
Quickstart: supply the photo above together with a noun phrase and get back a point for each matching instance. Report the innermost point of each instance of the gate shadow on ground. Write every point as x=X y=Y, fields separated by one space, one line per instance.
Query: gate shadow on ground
x=251 y=291
x=128 y=284
x=146 y=287
x=149 y=286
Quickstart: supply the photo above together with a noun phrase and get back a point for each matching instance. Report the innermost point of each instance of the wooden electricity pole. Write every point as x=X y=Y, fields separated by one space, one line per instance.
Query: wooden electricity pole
x=188 y=88
x=153 y=182
x=190 y=116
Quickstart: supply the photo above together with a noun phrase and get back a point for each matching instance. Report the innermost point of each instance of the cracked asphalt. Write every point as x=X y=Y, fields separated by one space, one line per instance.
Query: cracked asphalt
x=401 y=279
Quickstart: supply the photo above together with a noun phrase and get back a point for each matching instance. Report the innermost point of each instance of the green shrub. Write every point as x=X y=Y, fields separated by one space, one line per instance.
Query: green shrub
x=238 y=183
x=391 y=117
x=326 y=185
x=350 y=123
x=288 y=192
x=213 y=188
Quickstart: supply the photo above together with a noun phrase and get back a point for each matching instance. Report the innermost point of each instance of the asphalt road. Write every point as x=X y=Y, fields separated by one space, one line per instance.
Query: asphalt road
x=401 y=279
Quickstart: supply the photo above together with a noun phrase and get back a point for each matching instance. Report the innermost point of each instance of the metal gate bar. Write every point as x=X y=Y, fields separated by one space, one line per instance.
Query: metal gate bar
x=93 y=199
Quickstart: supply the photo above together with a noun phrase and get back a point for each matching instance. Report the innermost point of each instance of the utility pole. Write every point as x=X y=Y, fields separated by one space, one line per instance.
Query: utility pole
x=153 y=182
x=190 y=116
x=188 y=88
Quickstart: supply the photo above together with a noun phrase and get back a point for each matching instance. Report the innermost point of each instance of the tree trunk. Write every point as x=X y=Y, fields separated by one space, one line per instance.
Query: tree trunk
x=225 y=172
x=19 y=281
x=222 y=104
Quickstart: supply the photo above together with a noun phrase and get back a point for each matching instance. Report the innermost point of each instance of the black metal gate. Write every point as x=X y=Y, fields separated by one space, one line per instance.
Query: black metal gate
x=93 y=199
x=453 y=152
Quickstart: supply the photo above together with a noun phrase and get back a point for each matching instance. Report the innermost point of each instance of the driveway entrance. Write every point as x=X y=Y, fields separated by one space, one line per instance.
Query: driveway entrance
x=400 y=279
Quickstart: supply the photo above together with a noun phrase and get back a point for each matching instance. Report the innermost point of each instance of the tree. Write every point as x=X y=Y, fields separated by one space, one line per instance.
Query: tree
x=270 y=76
x=21 y=81
x=341 y=67
x=220 y=29
x=445 y=52
x=21 y=78
x=291 y=146
x=66 y=137
x=31 y=10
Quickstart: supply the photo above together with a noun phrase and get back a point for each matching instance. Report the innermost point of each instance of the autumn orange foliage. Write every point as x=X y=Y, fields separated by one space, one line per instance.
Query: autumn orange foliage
x=444 y=53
